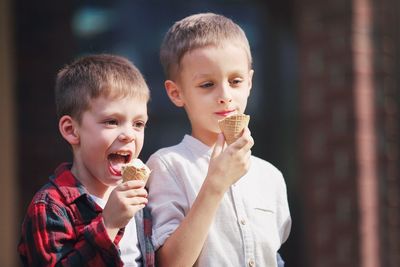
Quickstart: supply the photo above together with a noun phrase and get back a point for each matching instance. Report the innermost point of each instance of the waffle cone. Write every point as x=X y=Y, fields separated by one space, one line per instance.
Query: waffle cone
x=232 y=126
x=136 y=170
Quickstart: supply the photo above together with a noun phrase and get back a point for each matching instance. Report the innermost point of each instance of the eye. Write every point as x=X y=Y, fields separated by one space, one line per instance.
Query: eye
x=236 y=81
x=111 y=122
x=139 y=125
x=206 y=85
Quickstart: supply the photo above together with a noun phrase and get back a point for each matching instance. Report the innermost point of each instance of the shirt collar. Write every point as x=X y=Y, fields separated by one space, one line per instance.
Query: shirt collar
x=198 y=148
x=67 y=184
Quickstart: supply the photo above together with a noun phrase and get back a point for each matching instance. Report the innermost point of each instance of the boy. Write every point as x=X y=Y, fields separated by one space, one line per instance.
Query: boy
x=213 y=204
x=85 y=216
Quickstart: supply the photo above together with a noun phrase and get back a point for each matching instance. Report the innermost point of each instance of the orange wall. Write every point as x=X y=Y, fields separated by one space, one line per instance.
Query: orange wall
x=8 y=198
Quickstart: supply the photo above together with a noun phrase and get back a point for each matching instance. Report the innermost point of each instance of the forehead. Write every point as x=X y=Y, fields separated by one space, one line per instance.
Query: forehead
x=174 y=69
x=224 y=49
x=210 y=58
x=128 y=104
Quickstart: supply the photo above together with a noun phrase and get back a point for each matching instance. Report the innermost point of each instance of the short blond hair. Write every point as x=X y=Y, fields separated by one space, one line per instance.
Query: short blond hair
x=196 y=31
x=93 y=76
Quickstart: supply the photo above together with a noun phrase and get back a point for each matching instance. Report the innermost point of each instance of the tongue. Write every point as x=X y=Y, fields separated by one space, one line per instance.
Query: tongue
x=116 y=163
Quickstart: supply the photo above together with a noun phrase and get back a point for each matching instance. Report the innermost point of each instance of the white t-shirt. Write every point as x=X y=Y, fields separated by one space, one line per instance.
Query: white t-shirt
x=129 y=244
x=252 y=221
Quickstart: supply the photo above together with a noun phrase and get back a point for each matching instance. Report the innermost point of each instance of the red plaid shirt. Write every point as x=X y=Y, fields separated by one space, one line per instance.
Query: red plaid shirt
x=64 y=227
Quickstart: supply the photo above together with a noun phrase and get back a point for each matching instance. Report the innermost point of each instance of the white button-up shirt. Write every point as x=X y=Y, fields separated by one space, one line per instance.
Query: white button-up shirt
x=252 y=220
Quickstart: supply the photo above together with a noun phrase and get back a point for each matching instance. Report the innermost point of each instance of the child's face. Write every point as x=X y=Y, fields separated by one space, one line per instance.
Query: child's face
x=111 y=133
x=214 y=82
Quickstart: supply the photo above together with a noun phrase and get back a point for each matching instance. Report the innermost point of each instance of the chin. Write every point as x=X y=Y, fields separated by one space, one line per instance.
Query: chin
x=113 y=180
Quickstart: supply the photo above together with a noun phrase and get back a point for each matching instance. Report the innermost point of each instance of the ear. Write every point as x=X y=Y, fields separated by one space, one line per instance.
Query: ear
x=174 y=93
x=251 y=72
x=68 y=130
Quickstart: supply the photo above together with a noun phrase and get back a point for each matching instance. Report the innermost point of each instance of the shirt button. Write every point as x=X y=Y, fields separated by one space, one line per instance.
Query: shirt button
x=252 y=263
x=243 y=221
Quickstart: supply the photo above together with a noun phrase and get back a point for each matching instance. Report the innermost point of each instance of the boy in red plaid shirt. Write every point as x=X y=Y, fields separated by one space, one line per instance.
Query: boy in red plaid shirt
x=85 y=215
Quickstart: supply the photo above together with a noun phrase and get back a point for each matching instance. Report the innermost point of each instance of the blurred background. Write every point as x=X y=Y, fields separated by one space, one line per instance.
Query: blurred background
x=324 y=106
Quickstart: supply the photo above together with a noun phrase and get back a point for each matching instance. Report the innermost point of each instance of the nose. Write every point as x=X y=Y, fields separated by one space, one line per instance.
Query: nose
x=225 y=95
x=127 y=134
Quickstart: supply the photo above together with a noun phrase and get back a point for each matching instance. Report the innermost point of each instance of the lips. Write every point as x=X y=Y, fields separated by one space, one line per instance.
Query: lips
x=225 y=113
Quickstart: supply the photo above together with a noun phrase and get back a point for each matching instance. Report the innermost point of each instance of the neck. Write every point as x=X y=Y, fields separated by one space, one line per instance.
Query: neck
x=92 y=185
x=208 y=139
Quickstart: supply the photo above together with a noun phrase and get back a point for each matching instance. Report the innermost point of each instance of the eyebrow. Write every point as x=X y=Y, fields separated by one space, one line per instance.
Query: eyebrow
x=201 y=76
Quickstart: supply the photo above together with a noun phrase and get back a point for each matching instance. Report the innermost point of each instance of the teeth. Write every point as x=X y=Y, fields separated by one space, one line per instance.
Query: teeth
x=122 y=153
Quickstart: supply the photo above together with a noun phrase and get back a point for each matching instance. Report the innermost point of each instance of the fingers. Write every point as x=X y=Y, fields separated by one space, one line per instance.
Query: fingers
x=247 y=157
x=219 y=146
x=133 y=184
x=140 y=192
x=130 y=190
x=246 y=131
x=246 y=141
x=124 y=201
x=134 y=201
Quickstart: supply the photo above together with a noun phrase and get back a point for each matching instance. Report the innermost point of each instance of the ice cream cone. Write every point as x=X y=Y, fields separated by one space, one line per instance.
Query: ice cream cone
x=136 y=170
x=232 y=126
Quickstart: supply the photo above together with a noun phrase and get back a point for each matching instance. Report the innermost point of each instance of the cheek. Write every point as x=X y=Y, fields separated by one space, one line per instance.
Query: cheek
x=241 y=98
x=198 y=104
x=92 y=146
x=100 y=140
x=139 y=143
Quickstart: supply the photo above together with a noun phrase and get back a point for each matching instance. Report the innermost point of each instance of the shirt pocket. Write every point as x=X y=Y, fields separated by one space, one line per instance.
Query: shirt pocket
x=264 y=222
x=263 y=215
x=264 y=209
x=260 y=205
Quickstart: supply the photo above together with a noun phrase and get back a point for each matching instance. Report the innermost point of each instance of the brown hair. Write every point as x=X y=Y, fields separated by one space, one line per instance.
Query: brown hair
x=93 y=76
x=197 y=31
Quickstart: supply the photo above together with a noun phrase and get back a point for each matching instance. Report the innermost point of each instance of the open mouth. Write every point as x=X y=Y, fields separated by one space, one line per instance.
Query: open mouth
x=117 y=160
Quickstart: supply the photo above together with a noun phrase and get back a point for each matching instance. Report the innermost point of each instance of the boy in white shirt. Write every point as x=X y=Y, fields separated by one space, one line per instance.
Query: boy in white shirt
x=213 y=204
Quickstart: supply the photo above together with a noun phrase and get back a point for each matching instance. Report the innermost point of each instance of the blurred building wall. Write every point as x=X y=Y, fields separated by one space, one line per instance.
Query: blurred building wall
x=8 y=185
x=43 y=45
x=386 y=78
x=349 y=91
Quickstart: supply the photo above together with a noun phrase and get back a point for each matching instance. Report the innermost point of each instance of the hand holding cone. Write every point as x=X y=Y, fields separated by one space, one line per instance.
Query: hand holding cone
x=232 y=126
x=136 y=170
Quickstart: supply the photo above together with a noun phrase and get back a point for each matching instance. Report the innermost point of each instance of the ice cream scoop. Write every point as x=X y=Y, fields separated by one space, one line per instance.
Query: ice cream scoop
x=136 y=170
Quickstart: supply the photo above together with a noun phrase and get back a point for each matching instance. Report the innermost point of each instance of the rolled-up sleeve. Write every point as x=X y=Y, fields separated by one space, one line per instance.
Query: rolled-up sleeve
x=167 y=200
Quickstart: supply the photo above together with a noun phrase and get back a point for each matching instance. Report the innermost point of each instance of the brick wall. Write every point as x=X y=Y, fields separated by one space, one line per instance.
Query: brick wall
x=350 y=125
x=327 y=117
x=44 y=43
x=387 y=81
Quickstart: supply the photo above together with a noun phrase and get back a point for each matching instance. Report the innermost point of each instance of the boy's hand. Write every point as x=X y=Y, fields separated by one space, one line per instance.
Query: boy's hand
x=229 y=164
x=124 y=201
